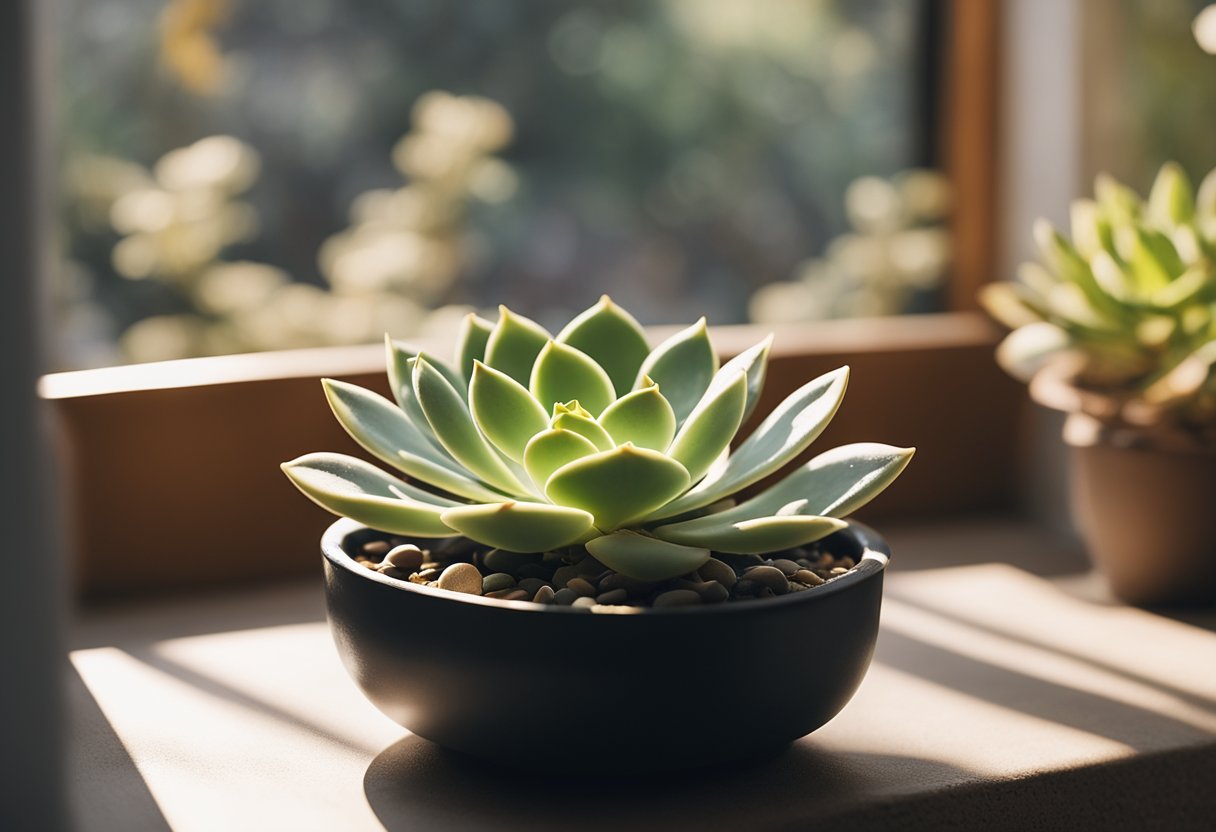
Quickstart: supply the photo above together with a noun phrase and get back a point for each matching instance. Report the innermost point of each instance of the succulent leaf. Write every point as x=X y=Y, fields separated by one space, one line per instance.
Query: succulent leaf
x=683 y=367
x=642 y=417
x=833 y=484
x=582 y=424
x=471 y=344
x=453 y=426
x=618 y=486
x=401 y=367
x=514 y=344
x=753 y=537
x=551 y=449
x=504 y=410
x=786 y=432
x=520 y=526
x=754 y=362
x=356 y=489
x=379 y=428
x=644 y=557
x=612 y=338
x=1170 y=202
x=1028 y=348
x=712 y=424
x=562 y=373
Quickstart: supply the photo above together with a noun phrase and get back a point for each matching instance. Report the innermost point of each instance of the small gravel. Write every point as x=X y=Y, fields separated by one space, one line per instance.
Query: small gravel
x=461 y=577
x=572 y=577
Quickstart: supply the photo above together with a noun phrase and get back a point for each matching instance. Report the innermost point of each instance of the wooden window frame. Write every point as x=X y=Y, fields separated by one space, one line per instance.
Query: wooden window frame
x=172 y=468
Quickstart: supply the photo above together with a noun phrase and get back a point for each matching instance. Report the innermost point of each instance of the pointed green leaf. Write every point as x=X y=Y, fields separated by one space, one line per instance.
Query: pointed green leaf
x=1170 y=202
x=619 y=485
x=1027 y=349
x=754 y=362
x=514 y=344
x=612 y=338
x=642 y=417
x=356 y=489
x=400 y=368
x=584 y=425
x=1153 y=261
x=683 y=366
x=551 y=449
x=645 y=558
x=519 y=526
x=453 y=426
x=401 y=381
x=378 y=427
x=1012 y=304
x=562 y=373
x=1205 y=201
x=712 y=424
x=471 y=344
x=754 y=537
x=833 y=484
x=504 y=410
x=786 y=432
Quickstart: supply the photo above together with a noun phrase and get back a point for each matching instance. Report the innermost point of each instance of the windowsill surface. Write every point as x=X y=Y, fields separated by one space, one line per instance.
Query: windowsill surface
x=998 y=698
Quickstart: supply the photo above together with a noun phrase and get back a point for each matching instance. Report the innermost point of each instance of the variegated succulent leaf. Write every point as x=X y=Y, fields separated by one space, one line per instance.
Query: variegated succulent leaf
x=531 y=443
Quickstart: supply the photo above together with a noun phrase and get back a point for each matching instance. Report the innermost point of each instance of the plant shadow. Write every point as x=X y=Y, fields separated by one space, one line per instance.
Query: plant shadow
x=415 y=784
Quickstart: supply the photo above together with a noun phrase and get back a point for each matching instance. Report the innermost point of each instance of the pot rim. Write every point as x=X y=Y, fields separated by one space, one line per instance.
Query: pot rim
x=875 y=555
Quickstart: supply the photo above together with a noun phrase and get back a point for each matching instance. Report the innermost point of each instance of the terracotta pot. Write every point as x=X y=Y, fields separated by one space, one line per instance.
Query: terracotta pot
x=1147 y=513
x=561 y=686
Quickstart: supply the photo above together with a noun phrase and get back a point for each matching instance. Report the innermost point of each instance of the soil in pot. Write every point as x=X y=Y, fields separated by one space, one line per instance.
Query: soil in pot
x=572 y=577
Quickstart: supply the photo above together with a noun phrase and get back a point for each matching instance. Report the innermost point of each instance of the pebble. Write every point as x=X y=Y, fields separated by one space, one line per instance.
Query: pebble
x=533 y=585
x=497 y=581
x=563 y=574
x=838 y=570
x=713 y=592
x=715 y=570
x=770 y=577
x=806 y=576
x=582 y=586
x=584 y=601
x=433 y=572
x=787 y=567
x=564 y=597
x=408 y=557
x=461 y=577
x=496 y=560
x=613 y=596
x=394 y=572
x=544 y=595
x=746 y=587
x=677 y=598
x=375 y=549
x=589 y=567
x=534 y=570
x=846 y=562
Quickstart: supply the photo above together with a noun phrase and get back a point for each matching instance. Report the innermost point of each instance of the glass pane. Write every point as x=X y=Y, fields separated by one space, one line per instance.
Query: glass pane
x=243 y=175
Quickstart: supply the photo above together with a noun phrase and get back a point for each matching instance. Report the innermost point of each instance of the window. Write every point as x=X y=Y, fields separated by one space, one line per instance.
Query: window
x=257 y=175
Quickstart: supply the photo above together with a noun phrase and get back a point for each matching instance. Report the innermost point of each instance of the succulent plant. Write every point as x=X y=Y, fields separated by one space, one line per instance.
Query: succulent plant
x=1125 y=312
x=530 y=443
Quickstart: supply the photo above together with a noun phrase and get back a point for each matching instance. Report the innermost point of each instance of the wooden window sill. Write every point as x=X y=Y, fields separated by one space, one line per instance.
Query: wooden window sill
x=998 y=699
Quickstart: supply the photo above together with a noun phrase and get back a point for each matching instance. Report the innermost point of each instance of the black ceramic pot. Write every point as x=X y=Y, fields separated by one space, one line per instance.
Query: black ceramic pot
x=645 y=689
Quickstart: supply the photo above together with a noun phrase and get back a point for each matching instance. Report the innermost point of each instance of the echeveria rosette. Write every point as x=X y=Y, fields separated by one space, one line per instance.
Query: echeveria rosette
x=535 y=442
x=1125 y=311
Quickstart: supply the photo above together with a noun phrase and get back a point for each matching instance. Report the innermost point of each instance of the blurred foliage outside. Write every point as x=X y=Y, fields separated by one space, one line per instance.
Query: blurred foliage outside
x=245 y=175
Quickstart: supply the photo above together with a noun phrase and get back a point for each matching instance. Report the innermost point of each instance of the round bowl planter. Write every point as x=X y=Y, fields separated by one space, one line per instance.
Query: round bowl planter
x=1146 y=513
x=641 y=688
